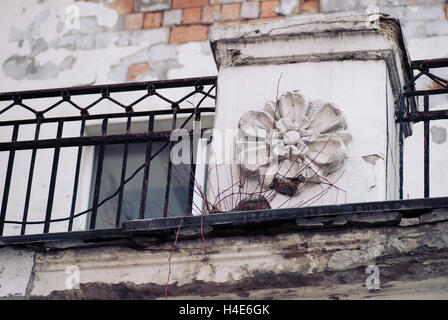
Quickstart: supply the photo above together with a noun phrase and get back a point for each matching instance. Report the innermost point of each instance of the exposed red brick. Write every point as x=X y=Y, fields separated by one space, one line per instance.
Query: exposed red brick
x=211 y=14
x=309 y=6
x=121 y=6
x=152 y=20
x=178 y=4
x=182 y=34
x=133 y=21
x=192 y=15
x=226 y=1
x=136 y=70
x=267 y=9
x=230 y=11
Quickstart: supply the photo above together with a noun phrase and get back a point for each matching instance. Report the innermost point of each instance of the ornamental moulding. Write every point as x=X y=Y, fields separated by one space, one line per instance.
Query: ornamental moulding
x=293 y=141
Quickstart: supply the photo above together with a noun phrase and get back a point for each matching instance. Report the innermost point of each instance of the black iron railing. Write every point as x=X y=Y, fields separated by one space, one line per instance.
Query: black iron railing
x=407 y=113
x=198 y=89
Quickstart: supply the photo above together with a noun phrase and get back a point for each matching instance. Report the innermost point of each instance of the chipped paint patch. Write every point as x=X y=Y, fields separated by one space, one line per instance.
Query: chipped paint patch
x=372 y=158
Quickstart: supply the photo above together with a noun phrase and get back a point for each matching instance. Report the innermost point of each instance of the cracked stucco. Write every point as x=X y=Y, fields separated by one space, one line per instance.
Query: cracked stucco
x=309 y=260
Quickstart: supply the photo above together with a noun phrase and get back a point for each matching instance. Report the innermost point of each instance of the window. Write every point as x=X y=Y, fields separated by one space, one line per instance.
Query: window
x=111 y=177
x=157 y=179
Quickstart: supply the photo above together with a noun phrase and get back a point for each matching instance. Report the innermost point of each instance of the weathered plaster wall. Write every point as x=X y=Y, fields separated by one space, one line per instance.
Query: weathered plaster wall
x=39 y=51
x=329 y=263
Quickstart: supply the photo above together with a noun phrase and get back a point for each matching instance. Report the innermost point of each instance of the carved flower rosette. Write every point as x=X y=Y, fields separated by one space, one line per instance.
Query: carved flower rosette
x=294 y=140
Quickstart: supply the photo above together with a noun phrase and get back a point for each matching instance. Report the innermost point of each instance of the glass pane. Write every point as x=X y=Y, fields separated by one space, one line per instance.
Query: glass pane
x=111 y=176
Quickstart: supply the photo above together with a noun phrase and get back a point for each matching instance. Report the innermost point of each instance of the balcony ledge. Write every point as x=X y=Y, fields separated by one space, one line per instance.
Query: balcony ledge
x=138 y=233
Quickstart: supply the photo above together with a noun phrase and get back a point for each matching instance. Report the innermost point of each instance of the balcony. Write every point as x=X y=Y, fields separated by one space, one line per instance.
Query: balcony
x=89 y=183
